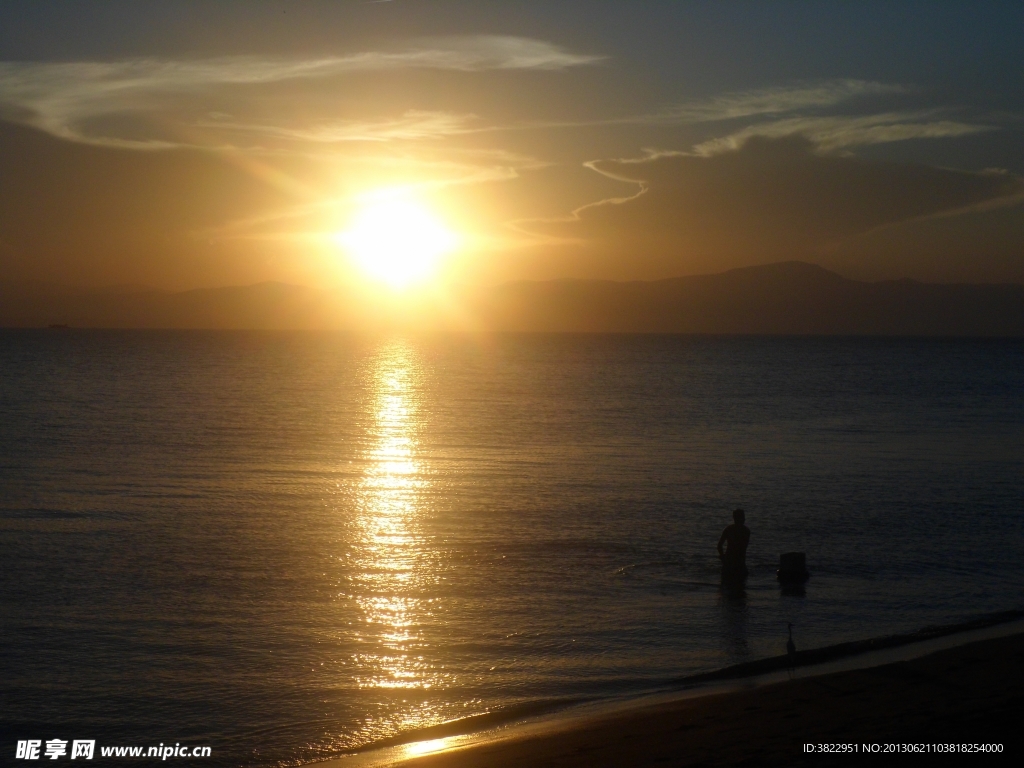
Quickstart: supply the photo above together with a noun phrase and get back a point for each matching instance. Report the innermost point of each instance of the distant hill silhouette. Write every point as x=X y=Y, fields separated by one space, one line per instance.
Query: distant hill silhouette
x=784 y=298
x=261 y=306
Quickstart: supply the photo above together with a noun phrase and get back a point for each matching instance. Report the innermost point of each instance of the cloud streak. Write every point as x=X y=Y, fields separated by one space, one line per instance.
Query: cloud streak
x=58 y=96
x=412 y=125
x=828 y=132
x=771 y=198
x=773 y=101
x=839 y=132
x=739 y=105
x=69 y=99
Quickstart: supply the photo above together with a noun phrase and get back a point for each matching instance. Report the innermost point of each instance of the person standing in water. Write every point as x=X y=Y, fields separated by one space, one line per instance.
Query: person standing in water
x=734 y=538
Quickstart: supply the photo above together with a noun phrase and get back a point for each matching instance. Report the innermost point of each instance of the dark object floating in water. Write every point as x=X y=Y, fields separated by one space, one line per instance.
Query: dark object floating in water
x=792 y=568
x=60 y=326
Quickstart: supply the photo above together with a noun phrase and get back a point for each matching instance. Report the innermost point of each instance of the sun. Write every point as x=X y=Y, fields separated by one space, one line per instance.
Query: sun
x=397 y=241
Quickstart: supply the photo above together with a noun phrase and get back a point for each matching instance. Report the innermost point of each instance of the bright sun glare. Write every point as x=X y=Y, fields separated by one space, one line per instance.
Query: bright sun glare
x=397 y=241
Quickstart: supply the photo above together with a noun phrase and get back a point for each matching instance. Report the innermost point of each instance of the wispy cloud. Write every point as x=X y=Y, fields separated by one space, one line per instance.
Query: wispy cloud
x=771 y=198
x=797 y=111
x=58 y=97
x=411 y=125
x=738 y=105
x=838 y=132
x=773 y=101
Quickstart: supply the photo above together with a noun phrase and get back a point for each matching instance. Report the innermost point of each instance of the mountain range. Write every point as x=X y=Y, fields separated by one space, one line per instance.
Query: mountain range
x=783 y=298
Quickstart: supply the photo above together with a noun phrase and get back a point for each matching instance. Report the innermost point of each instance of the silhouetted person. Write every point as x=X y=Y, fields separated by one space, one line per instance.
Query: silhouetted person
x=735 y=538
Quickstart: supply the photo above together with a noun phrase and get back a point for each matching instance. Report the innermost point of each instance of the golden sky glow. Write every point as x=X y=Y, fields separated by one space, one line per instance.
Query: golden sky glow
x=543 y=141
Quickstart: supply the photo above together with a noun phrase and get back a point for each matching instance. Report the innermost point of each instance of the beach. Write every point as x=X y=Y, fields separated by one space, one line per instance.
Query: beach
x=966 y=695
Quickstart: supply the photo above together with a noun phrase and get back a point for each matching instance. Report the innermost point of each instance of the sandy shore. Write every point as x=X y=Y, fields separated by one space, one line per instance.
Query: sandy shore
x=972 y=693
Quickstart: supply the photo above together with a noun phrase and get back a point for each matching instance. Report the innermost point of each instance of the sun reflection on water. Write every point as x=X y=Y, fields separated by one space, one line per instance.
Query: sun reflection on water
x=397 y=578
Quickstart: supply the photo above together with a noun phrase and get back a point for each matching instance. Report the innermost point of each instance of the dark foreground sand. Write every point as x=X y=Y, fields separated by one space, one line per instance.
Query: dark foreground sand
x=969 y=694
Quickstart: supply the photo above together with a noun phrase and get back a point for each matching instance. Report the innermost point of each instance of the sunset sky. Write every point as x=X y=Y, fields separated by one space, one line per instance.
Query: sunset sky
x=193 y=144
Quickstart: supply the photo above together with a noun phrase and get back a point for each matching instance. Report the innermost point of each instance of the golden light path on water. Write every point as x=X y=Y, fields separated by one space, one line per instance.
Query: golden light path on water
x=396 y=567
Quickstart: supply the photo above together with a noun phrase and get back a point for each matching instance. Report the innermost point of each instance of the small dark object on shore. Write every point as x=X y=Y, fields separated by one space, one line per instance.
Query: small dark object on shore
x=792 y=568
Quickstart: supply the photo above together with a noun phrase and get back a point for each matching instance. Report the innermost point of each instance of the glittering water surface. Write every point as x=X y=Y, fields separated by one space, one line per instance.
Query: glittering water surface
x=289 y=545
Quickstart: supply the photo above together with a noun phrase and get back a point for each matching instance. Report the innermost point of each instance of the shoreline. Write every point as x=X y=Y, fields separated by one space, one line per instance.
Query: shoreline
x=547 y=719
x=850 y=649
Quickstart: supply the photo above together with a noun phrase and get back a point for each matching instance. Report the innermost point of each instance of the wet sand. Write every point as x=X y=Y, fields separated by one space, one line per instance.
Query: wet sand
x=972 y=693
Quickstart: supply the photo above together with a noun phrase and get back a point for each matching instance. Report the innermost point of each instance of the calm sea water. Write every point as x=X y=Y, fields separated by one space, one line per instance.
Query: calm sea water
x=285 y=546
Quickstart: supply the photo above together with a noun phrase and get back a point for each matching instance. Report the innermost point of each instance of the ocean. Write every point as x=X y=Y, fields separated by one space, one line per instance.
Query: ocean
x=289 y=546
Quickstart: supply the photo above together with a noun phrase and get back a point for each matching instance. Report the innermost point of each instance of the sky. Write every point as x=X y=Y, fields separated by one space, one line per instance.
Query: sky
x=181 y=145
